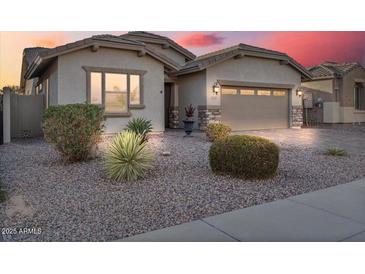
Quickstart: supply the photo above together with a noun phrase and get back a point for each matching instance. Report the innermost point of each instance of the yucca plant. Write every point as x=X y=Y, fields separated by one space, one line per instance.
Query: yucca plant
x=127 y=158
x=335 y=151
x=140 y=126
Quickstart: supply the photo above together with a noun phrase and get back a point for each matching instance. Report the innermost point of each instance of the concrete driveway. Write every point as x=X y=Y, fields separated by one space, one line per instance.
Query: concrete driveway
x=350 y=138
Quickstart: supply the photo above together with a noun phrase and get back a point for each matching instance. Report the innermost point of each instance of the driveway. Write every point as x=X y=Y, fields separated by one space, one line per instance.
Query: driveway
x=352 y=139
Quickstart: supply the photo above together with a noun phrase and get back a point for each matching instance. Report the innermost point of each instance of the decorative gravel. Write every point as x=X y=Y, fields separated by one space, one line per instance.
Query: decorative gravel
x=77 y=203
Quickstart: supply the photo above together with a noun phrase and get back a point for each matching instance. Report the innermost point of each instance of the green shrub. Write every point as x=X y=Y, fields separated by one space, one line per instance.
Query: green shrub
x=3 y=195
x=140 y=126
x=127 y=158
x=73 y=129
x=246 y=157
x=217 y=131
x=336 y=151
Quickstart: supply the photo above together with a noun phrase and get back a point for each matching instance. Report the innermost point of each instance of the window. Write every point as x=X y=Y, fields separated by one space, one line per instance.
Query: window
x=278 y=93
x=95 y=88
x=359 y=96
x=247 y=92
x=135 y=93
x=116 y=90
x=264 y=92
x=229 y=91
x=116 y=95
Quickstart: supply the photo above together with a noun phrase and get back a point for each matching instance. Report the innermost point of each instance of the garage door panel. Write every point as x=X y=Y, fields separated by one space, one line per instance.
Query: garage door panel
x=243 y=112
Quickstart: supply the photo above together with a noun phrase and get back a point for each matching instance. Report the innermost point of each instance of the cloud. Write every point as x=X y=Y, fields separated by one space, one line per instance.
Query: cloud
x=49 y=39
x=311 y=48
x=200 y=39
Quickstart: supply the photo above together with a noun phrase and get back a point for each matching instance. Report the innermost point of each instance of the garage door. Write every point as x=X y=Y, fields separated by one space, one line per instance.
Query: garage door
x=249 y=108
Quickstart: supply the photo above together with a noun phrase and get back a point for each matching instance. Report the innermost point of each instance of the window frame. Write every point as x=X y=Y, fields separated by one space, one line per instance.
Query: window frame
x=361 y=88
x=128 y=72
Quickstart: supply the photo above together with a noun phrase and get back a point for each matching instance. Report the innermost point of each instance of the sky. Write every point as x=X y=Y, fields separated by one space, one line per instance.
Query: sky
x=308 y=48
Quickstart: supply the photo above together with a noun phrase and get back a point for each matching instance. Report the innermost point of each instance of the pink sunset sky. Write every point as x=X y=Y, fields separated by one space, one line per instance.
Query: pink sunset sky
x=308 y=48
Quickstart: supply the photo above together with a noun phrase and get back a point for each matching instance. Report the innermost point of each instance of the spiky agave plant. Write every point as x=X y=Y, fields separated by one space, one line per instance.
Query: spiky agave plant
x=140 y=126
x=127 y=157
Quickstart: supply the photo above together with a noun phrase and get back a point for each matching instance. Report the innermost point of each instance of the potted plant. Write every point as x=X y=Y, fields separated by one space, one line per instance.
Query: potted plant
x=189 y=122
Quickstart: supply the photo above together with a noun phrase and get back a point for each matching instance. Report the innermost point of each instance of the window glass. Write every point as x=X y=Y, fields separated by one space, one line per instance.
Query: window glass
x=359 y=97
x=116 y=102
x=95 y=88
x=278 y=93
x=247 y=92
x=134 y=97
x=229 y=91
x=115 y=82
x=264 y=92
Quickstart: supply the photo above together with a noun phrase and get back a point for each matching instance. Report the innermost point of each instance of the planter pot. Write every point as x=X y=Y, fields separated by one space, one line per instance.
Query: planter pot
x=188 y=127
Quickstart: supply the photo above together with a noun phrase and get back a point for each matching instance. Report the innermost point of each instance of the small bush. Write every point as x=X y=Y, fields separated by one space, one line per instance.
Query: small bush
x=217 y=131
x=140 y=126
x=73 y=129
x=127 y=158
x=3 y=195
x=246 y=157
x=336 y=152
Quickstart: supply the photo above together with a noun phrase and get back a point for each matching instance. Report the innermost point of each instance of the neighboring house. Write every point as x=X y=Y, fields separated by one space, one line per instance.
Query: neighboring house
x=336 y=92
x=143 y=74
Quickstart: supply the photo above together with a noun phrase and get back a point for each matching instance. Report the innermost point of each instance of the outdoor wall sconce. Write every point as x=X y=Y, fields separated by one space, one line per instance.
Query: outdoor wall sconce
x=299 y=92
x=216 y=88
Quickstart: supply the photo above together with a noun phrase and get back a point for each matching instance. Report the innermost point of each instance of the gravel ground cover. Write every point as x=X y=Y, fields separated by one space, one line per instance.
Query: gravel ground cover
x=77 y=203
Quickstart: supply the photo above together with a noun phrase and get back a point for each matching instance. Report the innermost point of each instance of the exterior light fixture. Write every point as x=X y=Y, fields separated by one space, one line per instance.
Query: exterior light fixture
x=216 y=88
x=300 y=92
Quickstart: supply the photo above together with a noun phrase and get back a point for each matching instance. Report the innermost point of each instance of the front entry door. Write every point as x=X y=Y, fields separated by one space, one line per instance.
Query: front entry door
x=167 y=103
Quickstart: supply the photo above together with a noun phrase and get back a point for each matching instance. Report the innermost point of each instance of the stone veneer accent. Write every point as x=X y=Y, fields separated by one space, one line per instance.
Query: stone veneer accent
x=297 y=116
x=208 y=115
x=173 y=117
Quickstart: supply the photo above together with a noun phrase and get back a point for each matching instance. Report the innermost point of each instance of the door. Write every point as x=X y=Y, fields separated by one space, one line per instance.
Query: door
x=167 y=103
x=251 y=108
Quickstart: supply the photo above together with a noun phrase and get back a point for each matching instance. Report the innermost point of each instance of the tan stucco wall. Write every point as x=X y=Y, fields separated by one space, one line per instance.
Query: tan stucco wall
x=321 y=85
x=334 y=113
x=349 y=85
x=169 y=52
x=192 y=89
x=252 y=69
x=331 y=112
x=72 y=82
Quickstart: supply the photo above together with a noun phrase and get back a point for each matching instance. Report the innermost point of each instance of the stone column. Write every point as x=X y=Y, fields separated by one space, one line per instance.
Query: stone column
x=208 y=115
x=6 y=116
x=297 y=115
x=174 y=107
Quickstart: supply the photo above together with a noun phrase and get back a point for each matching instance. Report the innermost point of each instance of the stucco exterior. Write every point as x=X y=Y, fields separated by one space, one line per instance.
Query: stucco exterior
x=72 y=82
x=321 y=85
x=192 y=89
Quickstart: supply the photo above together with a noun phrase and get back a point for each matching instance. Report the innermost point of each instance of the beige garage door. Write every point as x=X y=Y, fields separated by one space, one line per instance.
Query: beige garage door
x=249 y=108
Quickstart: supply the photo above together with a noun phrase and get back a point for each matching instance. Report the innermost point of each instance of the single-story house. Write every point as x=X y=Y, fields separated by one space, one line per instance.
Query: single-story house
x=336 y=93
x=140 y=74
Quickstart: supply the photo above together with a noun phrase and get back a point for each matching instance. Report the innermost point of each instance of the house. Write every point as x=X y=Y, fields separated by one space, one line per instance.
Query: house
x=335 y=93
x=143 y=74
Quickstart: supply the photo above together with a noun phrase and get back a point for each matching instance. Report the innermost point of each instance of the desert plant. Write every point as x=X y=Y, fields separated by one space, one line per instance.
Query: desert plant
x=73 y=129
x=140 y=126
x=246 y=157
x=334 y=151
x=3 y=194
x=189 y=111
x=127 y=158
x=217 y=131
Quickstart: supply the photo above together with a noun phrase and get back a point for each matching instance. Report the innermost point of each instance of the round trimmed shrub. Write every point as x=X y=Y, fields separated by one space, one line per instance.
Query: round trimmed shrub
x=73 y=129
x=217 y=131
x=127 y=158
x=245 y=157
